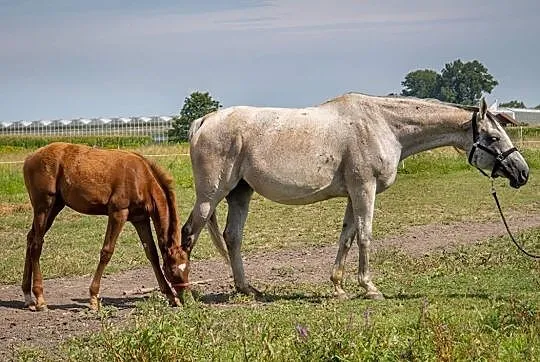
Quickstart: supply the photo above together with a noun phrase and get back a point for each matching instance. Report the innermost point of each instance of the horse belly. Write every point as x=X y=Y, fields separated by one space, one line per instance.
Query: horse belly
x=294 y=186
x=85 y=196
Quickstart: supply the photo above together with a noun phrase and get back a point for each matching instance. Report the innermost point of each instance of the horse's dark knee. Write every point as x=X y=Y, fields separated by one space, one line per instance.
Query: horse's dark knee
x=187 y=236
x=105 y=255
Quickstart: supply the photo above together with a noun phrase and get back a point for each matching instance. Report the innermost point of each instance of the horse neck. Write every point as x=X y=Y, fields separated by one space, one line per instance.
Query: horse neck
x=168 y=221
x=165 y=214
x=419 y=131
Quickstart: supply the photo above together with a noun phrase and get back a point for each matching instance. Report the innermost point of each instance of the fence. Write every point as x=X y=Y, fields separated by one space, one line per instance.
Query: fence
x=156 y=127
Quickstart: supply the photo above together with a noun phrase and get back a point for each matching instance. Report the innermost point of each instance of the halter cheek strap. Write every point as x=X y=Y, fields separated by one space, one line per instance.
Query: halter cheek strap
x=499 y=156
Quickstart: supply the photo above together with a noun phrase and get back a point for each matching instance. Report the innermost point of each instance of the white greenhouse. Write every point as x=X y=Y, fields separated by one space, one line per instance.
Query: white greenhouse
x=154 y=126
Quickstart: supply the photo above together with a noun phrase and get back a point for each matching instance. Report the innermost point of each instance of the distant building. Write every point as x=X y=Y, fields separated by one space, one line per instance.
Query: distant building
x=153 y=126
x=525 y=116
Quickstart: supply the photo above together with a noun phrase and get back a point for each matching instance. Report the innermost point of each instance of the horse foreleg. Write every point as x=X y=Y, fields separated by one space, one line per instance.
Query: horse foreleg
x=32 y=270
x=117 y=219
x=238 y=206
x=345 y=241
x=363 y=203
x=145 y=234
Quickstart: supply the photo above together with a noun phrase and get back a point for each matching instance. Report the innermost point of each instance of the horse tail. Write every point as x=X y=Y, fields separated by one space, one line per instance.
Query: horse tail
x=196 y=124
x=217 y=238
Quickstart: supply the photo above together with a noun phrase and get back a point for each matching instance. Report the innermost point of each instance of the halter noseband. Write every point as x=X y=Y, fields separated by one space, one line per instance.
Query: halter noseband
x=499 y=156
x=180 y=285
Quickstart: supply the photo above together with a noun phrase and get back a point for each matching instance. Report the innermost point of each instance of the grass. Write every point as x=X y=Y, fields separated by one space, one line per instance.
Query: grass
x=445 y=306
x=479 y=302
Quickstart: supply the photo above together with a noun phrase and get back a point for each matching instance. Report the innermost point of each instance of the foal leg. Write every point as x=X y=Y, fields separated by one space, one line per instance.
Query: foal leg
x=363 y=204
x=238 y=205
x=117 y=219
x=345 y=241
x=32 y=277
x=145 y=234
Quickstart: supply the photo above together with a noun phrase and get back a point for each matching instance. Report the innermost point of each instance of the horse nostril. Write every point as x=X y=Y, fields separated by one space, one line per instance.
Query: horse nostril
x=524 y=176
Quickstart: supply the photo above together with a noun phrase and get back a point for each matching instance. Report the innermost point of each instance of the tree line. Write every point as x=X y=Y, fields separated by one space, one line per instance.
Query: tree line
x=458 y=82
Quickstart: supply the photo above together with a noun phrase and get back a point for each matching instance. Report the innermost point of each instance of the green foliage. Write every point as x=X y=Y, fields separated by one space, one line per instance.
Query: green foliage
x=10 y=143
x=458 y=82
x=463 y=83
x=195 y=106
x=422 y=84
x=513 y=104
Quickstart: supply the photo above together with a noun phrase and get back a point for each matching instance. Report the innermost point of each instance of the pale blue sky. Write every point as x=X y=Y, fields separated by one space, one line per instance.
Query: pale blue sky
x=68 y=59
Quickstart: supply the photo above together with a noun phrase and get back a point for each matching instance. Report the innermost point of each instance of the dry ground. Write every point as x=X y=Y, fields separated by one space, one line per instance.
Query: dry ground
x=68 y=314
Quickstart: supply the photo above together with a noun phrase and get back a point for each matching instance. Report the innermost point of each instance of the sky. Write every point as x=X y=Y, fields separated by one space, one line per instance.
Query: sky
x=111 y=58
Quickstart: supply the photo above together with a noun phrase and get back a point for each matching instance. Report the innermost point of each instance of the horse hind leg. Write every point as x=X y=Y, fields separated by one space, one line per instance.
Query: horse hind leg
x=32 y=277
x=348 y=233
x=238 y=206
x=115 y=224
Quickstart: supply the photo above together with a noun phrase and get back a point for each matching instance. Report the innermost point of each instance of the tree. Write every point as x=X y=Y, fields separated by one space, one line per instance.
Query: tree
x=513 y=104
x=537 y=107
x=195 y=106
x=463 y=83
x=422 y=84
x=458 y=82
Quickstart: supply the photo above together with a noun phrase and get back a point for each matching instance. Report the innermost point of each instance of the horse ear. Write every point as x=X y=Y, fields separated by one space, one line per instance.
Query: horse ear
x=482 y=107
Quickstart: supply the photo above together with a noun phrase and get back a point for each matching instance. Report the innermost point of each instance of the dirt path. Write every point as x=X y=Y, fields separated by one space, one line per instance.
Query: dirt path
x=68 y=314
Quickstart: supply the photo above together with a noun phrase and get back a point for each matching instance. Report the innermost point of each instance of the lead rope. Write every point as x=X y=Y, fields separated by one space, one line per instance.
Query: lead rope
x=494 y=193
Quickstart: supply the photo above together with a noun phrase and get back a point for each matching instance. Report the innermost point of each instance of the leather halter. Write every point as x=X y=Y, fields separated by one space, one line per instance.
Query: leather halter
x=180 y=285
x=499 y=156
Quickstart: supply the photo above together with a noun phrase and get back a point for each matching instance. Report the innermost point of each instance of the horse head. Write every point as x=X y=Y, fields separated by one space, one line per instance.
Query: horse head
x=176 y=268
x=493 y=150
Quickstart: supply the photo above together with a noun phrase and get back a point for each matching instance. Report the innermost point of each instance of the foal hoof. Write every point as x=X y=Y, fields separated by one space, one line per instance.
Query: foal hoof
x=174 y=302
x=37 y=308
x=94 y=304
x=374 y=295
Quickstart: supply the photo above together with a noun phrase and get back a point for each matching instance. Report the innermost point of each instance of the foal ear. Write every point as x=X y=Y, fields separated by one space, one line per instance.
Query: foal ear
x=482 y=107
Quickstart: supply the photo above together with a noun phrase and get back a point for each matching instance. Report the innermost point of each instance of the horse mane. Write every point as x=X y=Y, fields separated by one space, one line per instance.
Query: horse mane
x=398 y=96
x=166 y=182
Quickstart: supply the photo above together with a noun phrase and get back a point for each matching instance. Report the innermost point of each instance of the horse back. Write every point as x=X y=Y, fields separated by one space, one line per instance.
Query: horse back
x=89 y=180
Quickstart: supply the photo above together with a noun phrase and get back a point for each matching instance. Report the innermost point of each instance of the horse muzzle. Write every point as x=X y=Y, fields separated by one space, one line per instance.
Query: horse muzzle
x=515 y=169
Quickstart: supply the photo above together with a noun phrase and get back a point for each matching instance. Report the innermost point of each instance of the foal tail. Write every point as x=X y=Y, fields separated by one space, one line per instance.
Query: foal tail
x=217 y=238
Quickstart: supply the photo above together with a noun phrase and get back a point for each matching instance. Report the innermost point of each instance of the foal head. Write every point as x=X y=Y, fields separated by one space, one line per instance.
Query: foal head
x=176 y=267
x=492 y=149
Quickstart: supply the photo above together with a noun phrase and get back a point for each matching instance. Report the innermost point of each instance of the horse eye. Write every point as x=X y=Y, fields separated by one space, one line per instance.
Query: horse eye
x=495 y=139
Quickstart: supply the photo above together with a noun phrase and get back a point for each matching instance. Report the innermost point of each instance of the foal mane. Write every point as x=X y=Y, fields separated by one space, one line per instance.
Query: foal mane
x=166 y=182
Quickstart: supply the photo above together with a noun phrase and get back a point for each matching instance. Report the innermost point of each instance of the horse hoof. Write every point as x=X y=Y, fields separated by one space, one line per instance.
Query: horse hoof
x=341 y=295
x=175 y=302
x=374 y=296
x=249 y=290
x=42 y=308
x=94 y=305
x=31 y=307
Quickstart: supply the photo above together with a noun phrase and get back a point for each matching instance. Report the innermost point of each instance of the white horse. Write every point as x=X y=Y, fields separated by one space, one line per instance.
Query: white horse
x=349 y=146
